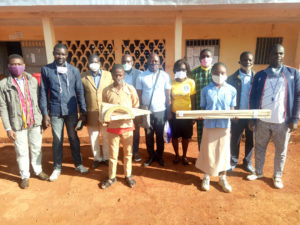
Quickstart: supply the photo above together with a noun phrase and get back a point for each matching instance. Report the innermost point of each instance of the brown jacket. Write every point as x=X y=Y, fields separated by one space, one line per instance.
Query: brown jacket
x=93 y=96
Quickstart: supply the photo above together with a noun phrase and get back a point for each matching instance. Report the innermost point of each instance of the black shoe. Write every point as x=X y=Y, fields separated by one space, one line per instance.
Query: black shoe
x=185 y=161
x=136 y=157
x=106 y=162
x=149 y=161
x=161 y=162
x=176 y=159
x=95 y=164
x=249 y=168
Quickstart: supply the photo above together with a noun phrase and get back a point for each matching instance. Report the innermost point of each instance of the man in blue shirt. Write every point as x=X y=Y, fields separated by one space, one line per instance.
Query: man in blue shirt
x=154 y=88
x=60 y=94
x=131 y=75
x=241 y=80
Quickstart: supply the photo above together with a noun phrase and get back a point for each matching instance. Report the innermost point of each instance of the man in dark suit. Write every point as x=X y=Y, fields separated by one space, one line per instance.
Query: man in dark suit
x=62 y=82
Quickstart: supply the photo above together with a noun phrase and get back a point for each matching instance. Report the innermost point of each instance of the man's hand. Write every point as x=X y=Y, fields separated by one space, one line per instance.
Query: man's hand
x=251 y=125
x=11 y=135
x=292 y=126
x=46 y=122
x=83 y=117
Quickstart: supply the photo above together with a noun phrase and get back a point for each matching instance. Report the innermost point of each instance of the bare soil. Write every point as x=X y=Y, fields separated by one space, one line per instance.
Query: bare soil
x=169 y=195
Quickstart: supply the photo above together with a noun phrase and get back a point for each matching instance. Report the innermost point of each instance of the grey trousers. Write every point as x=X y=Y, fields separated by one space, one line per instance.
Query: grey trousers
x=280 y=135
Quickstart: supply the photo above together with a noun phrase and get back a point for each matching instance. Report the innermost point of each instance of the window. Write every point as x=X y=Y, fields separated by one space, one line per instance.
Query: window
x=141 y=49
x=79 y=51
x=193 y=48
x=263 y=46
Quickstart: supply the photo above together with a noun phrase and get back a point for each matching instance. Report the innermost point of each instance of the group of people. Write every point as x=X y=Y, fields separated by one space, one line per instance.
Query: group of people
x=27 y=109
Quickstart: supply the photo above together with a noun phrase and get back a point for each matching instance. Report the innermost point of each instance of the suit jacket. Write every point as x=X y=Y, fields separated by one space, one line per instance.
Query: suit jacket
x=57 y=97
x=93 y=96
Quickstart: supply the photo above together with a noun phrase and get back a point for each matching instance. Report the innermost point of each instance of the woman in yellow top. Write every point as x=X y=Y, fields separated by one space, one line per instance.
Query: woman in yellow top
x=183 y=95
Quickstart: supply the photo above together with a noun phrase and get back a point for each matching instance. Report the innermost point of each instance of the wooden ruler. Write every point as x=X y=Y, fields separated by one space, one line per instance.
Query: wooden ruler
x=225 y=114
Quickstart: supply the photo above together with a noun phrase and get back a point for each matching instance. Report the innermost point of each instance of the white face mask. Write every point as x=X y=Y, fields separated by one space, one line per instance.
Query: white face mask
x=219 y=79
x=127 y=66
x=180 y=75
x=62 y=69
x=94 y=67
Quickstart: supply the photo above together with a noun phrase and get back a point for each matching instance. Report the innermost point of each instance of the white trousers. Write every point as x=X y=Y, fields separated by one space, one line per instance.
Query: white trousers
x=33 y=138
x=95 y=144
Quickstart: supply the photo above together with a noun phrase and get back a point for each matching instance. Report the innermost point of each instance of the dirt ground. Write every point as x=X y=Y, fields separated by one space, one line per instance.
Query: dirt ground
x=169 y=195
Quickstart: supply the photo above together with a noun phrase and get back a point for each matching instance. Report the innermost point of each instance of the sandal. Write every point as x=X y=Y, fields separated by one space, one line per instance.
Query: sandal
x=130 y=182
x=176 y=159
x=185 y=161
x=107 y=183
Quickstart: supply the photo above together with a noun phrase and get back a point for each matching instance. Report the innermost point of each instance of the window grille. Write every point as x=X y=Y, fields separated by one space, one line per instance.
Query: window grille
x=263 y=46
x=141 y=49
x=193 y=48
x=79 y=51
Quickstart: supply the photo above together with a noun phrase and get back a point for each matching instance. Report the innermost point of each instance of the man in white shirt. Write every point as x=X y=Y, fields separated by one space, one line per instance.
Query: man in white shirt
x=276 y=88
x=154 y=87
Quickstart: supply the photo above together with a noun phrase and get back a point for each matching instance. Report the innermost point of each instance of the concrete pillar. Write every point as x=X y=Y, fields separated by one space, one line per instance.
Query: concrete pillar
x=118 y=50
x=178 y=37
x=49 y=38
x=297 y=56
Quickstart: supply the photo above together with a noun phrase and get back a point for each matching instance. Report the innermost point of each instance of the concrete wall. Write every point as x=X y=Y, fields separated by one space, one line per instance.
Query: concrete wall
x=234 y=38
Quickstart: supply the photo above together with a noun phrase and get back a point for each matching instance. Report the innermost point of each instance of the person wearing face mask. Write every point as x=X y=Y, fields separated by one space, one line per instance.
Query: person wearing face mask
x=182 y=98
x=202 y=77
x=241 y=80
x=60 y=95
x=22 y=118
x=214 y=156
x=276 y=88
x=120 y=93
x=94 y=81
x=131 y=75
x=154 y=88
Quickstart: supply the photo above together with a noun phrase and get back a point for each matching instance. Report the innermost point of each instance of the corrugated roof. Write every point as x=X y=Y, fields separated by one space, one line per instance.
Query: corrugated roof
x=137 y=2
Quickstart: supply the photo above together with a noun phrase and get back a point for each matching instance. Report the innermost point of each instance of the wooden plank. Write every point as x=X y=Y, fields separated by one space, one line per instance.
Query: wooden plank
x=119 y=112
x=224 y=114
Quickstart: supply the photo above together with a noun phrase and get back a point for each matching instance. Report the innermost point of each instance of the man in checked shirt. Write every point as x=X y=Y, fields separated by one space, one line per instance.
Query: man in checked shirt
x=202 y=77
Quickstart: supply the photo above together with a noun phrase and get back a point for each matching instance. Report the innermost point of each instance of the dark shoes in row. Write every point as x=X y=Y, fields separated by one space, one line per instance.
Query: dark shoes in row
x=25 y=182
x=153 y=159
x=107 y=183
x=184 y=160
x=248 y=167
x=97 y=163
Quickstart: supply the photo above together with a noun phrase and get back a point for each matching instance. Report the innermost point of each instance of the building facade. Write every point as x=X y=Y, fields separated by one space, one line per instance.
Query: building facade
x=173 y=29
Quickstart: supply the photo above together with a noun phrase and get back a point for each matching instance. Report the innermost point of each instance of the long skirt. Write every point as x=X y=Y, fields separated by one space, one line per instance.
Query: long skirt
x=214 y=155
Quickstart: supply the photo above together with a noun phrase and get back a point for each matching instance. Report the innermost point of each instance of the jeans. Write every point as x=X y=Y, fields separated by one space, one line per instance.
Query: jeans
x=157 y=121
x=33 y=137
x=57 y=124
x=237 y=129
